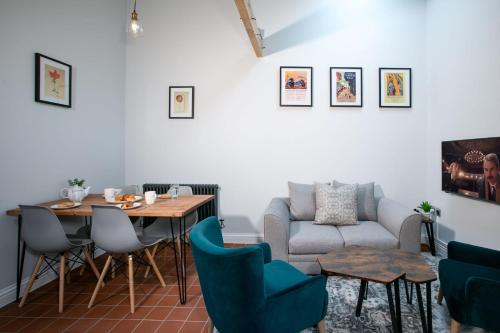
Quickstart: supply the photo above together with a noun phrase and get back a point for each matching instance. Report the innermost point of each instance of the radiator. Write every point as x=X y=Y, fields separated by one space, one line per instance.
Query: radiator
x=211 y=208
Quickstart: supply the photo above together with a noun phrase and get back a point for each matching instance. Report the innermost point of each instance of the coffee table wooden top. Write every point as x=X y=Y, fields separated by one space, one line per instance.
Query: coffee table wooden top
x=383 y=266
x=179 y=207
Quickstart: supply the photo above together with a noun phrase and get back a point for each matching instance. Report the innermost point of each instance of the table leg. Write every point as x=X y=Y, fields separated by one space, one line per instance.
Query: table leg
x=432 y=241
x=398 y=305
x=361 y=295
x=421 y=308
x=175 y=255
x=182 y=237
x=429 y=306
x=20 y=257
x=391 y=307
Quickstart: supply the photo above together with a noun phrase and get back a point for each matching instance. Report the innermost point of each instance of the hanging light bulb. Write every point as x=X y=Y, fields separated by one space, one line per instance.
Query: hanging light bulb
x=135 y=28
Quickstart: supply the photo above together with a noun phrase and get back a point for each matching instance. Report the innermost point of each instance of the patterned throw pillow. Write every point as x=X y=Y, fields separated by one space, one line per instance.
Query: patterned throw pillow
x=336 y=206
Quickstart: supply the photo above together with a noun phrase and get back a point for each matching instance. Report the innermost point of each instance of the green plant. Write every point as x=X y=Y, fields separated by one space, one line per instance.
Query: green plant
x=425 y=206
x=76 y=182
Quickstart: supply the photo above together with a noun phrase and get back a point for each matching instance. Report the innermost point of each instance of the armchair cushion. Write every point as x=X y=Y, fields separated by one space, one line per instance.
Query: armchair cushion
x=309 y=238
x=280 y=276
x=368 y=233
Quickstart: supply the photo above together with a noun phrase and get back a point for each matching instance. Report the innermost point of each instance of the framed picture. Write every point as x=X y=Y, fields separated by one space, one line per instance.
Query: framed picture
x=181 y=102
x=395 y=87
x=296 y=86
x=52 y=81
x=346 y=86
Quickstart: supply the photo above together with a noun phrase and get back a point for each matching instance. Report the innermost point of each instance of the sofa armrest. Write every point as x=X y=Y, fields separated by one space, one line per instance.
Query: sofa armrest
x=402 y=222
x=473 y=254
x=276 y=227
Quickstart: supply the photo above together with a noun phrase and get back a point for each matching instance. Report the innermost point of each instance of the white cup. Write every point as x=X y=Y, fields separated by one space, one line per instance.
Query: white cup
x=109 y=194
x=150 y=197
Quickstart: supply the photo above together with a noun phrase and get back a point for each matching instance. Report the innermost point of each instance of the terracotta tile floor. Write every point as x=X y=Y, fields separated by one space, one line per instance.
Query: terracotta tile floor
x=157 y=309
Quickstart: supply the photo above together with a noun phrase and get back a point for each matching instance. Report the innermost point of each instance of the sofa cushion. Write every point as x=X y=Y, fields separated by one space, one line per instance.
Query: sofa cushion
x=367 y=209
x=309 y=238
x=368 y=233
x=337 y=206
x=302 y=201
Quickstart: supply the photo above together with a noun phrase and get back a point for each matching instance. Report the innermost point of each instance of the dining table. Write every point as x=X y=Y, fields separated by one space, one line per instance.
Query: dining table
x=164 y=207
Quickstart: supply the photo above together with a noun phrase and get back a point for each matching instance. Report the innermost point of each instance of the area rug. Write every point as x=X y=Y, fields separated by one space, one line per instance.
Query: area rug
x=375 y=316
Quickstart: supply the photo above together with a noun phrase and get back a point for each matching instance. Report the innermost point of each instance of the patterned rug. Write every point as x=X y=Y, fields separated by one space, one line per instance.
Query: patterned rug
x=375 y=316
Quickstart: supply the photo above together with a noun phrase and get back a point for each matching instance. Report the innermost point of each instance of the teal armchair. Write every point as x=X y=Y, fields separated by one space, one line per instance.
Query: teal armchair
x=245 y=291
x=470 y=283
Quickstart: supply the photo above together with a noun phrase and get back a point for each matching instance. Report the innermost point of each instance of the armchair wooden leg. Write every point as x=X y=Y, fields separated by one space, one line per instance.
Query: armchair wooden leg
x=155 y=268
x=455 y=326
x=113 y=268
x=62 y=271
x=101 y=279
x=32 y=279
x=92 y=265
x=321 y=326
x=210 y=326
x=440 y=296
x=155 y=248
x=131 y=282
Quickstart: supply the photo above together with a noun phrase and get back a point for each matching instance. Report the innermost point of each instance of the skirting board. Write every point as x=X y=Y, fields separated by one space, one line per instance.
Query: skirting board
x=240 y=238
x=8 y=294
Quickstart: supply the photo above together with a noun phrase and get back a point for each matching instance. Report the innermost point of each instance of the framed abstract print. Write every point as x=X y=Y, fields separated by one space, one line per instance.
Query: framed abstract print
x=52 y=81
x=395 y=87
x=296 y=86
x=346 y=86
x=181 y=102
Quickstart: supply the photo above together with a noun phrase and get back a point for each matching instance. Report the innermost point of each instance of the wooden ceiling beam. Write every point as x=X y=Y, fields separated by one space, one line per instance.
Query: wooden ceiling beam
x=250 y=24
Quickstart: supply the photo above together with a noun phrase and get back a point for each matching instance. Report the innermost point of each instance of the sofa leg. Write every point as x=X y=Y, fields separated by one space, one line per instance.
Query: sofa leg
x=455 y=326
x=321 y=326
x=210 y=326
x=440 y=296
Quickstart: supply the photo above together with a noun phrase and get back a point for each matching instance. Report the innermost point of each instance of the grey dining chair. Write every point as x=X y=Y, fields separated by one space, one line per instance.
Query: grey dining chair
x=161 y=226
x=113 y=232
x=44 y=234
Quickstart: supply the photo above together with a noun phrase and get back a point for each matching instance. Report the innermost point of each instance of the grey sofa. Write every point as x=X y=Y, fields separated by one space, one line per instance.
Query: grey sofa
x=301 y=242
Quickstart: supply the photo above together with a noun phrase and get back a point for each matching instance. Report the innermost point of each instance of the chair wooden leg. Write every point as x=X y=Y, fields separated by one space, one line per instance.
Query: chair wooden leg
x=440 y=296
x=101 y=279
x=68 y=272
x=113 y=268
x=91 y=263
x=155 y=268
x=62 y=271
x=131 y=282
x=455 y=326
x=155 y=248
x=321 y=327
x=210 y=326
x=32 y=279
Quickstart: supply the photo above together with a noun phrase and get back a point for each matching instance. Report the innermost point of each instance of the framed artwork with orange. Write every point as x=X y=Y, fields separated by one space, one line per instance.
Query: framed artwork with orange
x=181 y=102
x=395 y=87
x=52 y=81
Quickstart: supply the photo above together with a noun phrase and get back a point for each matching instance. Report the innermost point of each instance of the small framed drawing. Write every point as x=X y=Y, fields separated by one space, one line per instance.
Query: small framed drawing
x=181 y=102
x=52 y=81
x=296 y=86
x=395 y=87
x=346 y=86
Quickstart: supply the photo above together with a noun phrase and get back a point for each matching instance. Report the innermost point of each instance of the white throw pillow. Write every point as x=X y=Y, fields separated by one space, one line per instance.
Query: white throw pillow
x=336 y=206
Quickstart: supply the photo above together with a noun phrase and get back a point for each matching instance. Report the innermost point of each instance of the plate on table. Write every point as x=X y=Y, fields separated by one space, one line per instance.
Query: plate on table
x=66 y=205
x=125 y=207
x=136 y=198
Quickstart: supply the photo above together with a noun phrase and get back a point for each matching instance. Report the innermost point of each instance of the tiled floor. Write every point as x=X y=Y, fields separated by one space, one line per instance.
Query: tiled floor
x=157 y=309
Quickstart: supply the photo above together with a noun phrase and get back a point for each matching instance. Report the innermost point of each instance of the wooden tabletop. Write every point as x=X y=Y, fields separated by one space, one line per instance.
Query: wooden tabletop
x=383 y=266
x=179 y=207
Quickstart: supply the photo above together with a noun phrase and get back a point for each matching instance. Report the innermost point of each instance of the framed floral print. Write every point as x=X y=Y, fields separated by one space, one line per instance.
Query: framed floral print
x=181 y=102
x=52 y=81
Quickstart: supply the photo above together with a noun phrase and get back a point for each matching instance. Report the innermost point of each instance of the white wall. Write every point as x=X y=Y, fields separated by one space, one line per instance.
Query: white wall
x=41 y=145
x=240 y=138
x=463 y=53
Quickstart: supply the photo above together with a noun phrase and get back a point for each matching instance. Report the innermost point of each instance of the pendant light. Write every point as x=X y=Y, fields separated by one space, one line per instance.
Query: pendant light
x=134 y=28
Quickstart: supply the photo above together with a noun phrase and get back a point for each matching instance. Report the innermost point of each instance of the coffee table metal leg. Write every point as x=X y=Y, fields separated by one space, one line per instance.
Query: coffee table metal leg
x=391 y=307
x=429 y=306
x=421 y=308
x=361 y=295
x=398 y=305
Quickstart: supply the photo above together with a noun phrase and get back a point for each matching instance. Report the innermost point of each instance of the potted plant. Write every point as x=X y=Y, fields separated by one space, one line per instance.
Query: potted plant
x=426 y=209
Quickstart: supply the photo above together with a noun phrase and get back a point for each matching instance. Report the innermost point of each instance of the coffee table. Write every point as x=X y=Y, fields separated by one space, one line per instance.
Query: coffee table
x=386 y=267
